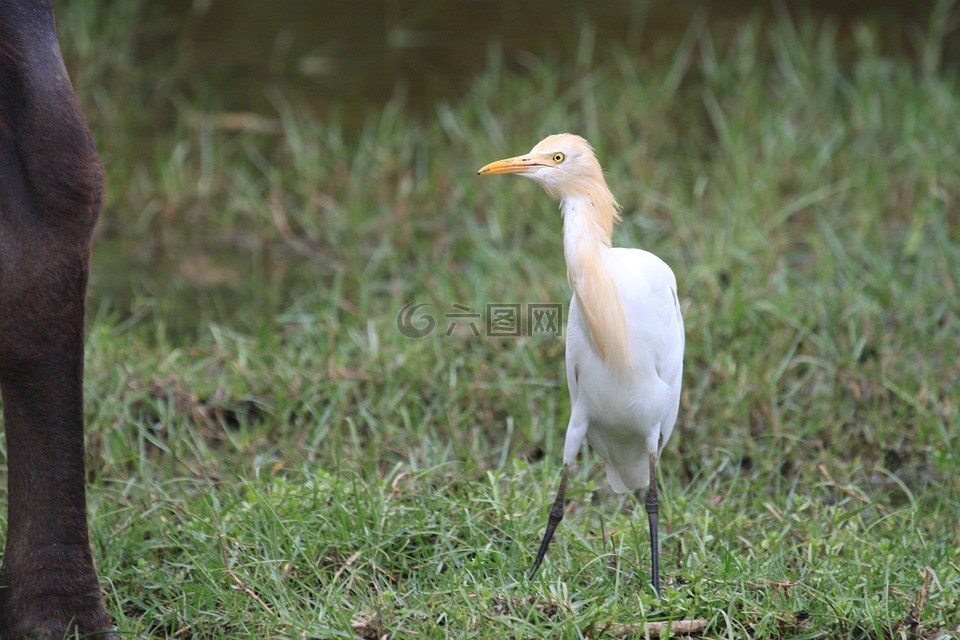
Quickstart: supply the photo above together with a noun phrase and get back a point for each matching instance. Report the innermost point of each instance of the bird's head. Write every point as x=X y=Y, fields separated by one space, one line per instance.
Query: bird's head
x=563 y=164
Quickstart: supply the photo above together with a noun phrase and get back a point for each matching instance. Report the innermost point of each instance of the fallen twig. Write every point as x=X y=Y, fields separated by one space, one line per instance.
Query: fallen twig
x=912 y=621
x=771 y=584
x=346 y=564
x=658 y=629
x=853 y=493
x=924 y=590
x=240 y=584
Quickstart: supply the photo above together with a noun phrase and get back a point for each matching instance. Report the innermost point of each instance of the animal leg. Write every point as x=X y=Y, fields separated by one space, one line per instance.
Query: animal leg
x=653 y=513
x=51 y=185
x=556 y=515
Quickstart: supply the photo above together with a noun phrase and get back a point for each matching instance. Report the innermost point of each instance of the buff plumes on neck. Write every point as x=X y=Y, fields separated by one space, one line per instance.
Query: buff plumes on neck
x=566 y=167
x=584 y=243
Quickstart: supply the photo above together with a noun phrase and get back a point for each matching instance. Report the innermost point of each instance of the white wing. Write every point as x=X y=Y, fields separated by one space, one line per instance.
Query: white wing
x=655 y=324
x=626 y=419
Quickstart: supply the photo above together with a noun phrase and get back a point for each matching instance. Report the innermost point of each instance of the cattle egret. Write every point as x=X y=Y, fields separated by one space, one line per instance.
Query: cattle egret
x=624 y=355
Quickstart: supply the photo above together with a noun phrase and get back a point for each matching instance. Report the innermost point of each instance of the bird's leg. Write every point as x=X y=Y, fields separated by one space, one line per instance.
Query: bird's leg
x=653 y=512
x=556 y=515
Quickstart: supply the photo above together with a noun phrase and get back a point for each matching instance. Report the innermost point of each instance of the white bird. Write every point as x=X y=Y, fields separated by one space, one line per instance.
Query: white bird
x=624 y=349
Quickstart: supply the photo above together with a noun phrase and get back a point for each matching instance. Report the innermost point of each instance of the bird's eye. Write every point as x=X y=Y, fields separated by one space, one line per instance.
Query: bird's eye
x=558 y=157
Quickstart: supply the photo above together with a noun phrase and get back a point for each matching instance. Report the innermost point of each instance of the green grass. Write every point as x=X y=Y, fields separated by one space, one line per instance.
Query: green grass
x=279 y=462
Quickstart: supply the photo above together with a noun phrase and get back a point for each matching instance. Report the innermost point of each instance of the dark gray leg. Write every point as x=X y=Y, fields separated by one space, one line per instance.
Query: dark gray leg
x=556 y=515
x=653 y=513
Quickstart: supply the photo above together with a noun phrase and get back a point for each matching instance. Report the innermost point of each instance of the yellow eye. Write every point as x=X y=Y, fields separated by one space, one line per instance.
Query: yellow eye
x=558 y=157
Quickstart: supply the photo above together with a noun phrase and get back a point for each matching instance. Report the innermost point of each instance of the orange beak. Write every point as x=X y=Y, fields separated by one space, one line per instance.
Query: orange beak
x=518 y=164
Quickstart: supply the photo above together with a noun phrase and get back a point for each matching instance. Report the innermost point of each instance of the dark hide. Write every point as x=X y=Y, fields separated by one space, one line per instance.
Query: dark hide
x=51 y=185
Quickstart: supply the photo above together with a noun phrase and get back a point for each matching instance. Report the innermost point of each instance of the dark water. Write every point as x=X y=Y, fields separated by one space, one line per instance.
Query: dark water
x=362 y=53
x=353 y=57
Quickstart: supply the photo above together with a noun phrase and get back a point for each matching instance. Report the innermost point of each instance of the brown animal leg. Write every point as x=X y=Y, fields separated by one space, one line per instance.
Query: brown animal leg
x=51 y=184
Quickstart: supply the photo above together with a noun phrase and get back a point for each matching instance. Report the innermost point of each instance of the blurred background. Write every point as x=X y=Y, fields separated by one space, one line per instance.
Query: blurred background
x=174 y=80
x=284 y=177
x=362 y=54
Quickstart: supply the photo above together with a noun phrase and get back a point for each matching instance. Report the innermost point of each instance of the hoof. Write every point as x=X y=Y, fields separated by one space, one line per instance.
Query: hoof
x=48 y=634
x=54 y=617
x=56 y=630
